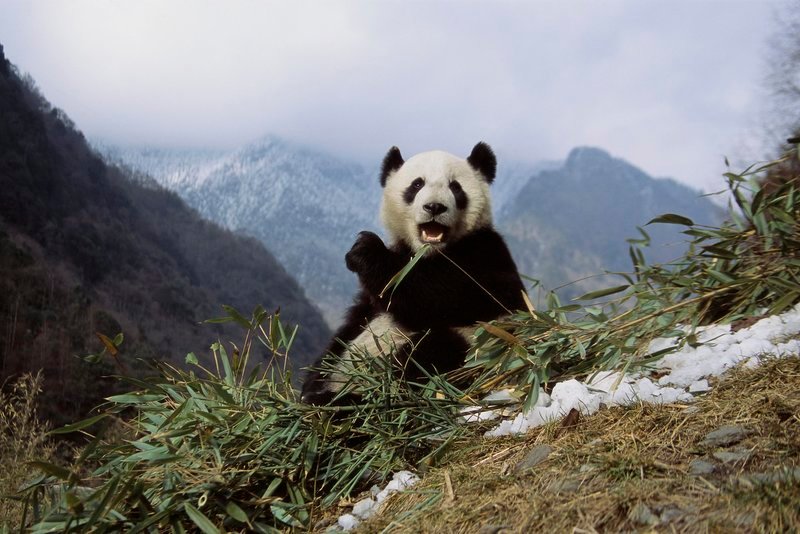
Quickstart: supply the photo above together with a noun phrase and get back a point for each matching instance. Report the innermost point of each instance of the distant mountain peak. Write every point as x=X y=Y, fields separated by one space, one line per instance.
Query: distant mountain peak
x=590 y=162
x=265 y=142
x=586 y=154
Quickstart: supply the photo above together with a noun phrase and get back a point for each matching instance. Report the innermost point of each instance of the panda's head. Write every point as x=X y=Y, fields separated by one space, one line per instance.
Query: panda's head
x=436 y=197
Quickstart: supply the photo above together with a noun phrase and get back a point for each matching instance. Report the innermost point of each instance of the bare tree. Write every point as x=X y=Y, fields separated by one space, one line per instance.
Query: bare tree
x=782 y=79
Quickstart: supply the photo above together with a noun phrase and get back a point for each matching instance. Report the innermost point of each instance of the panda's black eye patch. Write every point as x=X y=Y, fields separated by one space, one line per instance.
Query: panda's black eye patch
x=459 y=195
x=411 y=191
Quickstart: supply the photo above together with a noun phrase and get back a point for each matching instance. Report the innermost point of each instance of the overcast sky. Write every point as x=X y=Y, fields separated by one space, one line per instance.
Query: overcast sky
x=670 y=86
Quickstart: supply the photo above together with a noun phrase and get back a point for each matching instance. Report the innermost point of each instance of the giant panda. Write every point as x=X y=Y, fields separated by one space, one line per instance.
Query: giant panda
x=467 y=274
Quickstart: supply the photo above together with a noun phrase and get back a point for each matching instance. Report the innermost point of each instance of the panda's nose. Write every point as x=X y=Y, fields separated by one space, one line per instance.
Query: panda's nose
x=434 y=208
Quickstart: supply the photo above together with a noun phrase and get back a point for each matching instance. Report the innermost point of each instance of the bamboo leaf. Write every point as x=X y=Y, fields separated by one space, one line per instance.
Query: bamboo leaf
x=236 y=512
x=603 y=292
x=226 y=365
x=720 y=276
x=155 y=457
x=108 y=343
x=134 y=398
x=671 y=218
x=236 y=316
x=51 y=469
x=400 y=276
x=80 y=425
x=757 y=201
x=219 y=320
x=581 y=348
x=282 y=515
x=500 y=333
x=528 y=303
x=719 y=252
x=784 y=302
x=533 y=393
x=200 y=519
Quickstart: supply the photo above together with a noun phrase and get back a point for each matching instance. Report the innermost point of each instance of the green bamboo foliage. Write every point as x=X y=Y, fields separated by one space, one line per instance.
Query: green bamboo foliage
x=231 y=448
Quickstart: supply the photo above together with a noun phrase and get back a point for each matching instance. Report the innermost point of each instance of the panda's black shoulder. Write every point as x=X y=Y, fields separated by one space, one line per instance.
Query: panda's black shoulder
x=484 y=243
x=486 y=256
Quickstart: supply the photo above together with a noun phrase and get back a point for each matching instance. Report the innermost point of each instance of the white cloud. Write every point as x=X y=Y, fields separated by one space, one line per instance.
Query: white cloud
x=666 y=85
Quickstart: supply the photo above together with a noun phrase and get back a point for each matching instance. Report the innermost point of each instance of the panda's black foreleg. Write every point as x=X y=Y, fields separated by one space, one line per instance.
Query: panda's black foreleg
x=373 y=263
x=315 y=389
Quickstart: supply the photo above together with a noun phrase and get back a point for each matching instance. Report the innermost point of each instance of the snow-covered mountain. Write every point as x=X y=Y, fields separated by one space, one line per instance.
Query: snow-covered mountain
x=174 y=168
x=305 y=206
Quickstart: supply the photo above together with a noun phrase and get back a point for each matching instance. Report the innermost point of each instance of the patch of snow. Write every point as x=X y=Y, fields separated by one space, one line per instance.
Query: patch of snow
x=682 y=372
x=366 y=508
x=699 y=386
x=474 y=414
x=347 y=522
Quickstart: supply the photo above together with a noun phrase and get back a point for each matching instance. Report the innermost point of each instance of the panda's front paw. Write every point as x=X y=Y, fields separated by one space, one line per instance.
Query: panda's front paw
x=365 y=252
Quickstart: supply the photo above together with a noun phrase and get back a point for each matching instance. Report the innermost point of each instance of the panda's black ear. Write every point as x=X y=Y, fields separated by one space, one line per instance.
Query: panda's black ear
x=391 y=162
x=482 y=160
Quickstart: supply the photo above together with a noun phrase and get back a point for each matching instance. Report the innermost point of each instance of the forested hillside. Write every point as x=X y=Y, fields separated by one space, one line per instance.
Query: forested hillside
x=305 y=206
x=84 y=249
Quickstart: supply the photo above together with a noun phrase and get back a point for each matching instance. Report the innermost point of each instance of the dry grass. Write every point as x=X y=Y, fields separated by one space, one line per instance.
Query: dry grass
x=23 y=438
x=627 y=469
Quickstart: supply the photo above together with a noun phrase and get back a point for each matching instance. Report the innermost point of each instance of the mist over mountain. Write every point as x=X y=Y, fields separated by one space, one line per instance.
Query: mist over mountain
x=85 y=249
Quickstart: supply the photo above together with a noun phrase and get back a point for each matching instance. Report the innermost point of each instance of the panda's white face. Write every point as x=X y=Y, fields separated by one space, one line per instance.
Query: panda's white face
x=435 y=198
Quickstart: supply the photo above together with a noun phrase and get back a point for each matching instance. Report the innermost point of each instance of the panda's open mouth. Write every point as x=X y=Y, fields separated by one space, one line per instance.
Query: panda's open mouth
x=433 y=232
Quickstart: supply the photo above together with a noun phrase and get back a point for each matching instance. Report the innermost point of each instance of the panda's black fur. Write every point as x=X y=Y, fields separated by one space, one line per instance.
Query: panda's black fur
x=474 y=280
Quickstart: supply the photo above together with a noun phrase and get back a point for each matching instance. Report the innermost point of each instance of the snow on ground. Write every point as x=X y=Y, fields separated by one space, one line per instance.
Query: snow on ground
x=366 y=508
x=682 y=373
